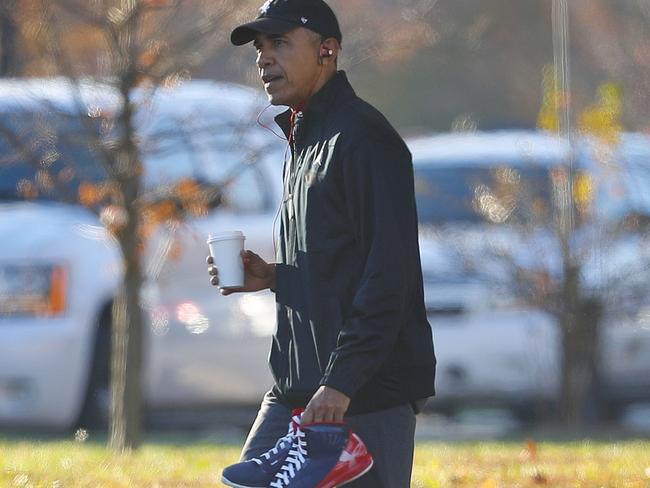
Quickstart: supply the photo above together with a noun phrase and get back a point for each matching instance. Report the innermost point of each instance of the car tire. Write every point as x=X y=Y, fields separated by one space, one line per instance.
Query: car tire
x=95 y=411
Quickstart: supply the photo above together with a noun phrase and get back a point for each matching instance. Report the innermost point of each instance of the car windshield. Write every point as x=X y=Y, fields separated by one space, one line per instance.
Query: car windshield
x=203 y=147
x=465 y=193
x=45 y=156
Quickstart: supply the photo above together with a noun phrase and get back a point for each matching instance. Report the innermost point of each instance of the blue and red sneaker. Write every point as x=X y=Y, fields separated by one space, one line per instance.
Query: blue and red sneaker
x=259 y=472
x=327 y=456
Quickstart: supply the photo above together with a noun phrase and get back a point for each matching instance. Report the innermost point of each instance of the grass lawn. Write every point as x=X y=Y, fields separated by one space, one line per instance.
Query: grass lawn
x=57 y=464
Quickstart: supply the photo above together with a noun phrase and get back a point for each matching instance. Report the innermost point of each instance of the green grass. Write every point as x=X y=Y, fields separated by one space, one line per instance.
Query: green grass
x=58 y=464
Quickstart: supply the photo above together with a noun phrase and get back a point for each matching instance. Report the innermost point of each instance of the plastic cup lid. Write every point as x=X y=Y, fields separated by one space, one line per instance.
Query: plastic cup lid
x=221 y=236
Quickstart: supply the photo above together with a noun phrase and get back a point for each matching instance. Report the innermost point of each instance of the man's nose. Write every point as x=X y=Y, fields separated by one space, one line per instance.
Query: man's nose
x=263 y=59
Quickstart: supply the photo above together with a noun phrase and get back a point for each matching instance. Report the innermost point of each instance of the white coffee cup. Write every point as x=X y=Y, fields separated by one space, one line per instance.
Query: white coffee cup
x=225 y=249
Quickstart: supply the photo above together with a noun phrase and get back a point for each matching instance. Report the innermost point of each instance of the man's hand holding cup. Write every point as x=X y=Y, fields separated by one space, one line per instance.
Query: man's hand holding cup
x=245 y=271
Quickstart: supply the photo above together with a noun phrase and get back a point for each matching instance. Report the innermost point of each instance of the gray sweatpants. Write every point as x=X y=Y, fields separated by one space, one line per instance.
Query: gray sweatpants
x=388 y=435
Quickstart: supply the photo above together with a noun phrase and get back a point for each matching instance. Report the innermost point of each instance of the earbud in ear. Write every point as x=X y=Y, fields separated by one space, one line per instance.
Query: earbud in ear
x=325 y=53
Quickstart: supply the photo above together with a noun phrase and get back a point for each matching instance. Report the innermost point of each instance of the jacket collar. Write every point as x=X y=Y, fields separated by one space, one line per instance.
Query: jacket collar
x=337 y=88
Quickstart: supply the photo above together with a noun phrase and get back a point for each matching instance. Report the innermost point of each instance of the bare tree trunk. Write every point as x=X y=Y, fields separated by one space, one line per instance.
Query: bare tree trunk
x=126 y=364
x=126 y=380
x=580 y=328
x=578 y=318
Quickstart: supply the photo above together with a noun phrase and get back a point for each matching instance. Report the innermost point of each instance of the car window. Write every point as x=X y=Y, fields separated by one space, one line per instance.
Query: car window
x=463 y=193
x=614 y=189
x=200 y=148
x=208 y=150
x=45 y=156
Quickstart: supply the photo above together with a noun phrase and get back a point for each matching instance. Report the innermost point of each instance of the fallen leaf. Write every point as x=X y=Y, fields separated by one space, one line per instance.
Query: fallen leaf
x=529 y=452
x=539 y=478
x=489 y=483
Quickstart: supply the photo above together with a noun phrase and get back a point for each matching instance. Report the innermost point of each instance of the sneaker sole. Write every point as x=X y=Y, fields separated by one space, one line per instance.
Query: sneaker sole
x=368 y=468
x=227 y=482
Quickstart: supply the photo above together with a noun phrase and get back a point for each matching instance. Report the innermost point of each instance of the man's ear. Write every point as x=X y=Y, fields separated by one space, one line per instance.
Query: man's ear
x=329 y=50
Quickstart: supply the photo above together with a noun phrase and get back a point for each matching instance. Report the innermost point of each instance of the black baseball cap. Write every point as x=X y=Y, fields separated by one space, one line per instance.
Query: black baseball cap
x=281 y=16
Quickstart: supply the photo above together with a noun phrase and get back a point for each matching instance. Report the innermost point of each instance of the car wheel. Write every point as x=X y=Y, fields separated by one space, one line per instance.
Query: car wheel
x=95 y=411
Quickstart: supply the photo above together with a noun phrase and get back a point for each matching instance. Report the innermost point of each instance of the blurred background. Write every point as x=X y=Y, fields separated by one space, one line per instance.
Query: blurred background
x=130 y=130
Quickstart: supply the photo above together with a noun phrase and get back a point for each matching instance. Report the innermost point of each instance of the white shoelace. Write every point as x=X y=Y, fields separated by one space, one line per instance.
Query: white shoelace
x=294 y=462
x=274 y=451
x=281 y=443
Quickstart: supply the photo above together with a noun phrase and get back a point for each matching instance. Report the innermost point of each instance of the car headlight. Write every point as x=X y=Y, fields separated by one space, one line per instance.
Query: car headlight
x=32 y=290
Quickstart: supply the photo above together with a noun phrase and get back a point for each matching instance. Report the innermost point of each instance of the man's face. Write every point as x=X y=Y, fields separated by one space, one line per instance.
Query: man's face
x=288 y=65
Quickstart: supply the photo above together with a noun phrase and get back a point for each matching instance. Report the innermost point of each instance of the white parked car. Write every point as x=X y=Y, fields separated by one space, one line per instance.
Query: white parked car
x=490 y=345
x=59 y=269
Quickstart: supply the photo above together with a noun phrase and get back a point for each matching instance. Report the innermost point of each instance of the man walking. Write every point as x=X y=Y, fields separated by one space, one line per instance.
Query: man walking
x=352 y=341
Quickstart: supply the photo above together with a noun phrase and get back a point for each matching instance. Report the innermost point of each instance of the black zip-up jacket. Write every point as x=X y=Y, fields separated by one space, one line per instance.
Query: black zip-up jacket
x=349 y=293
